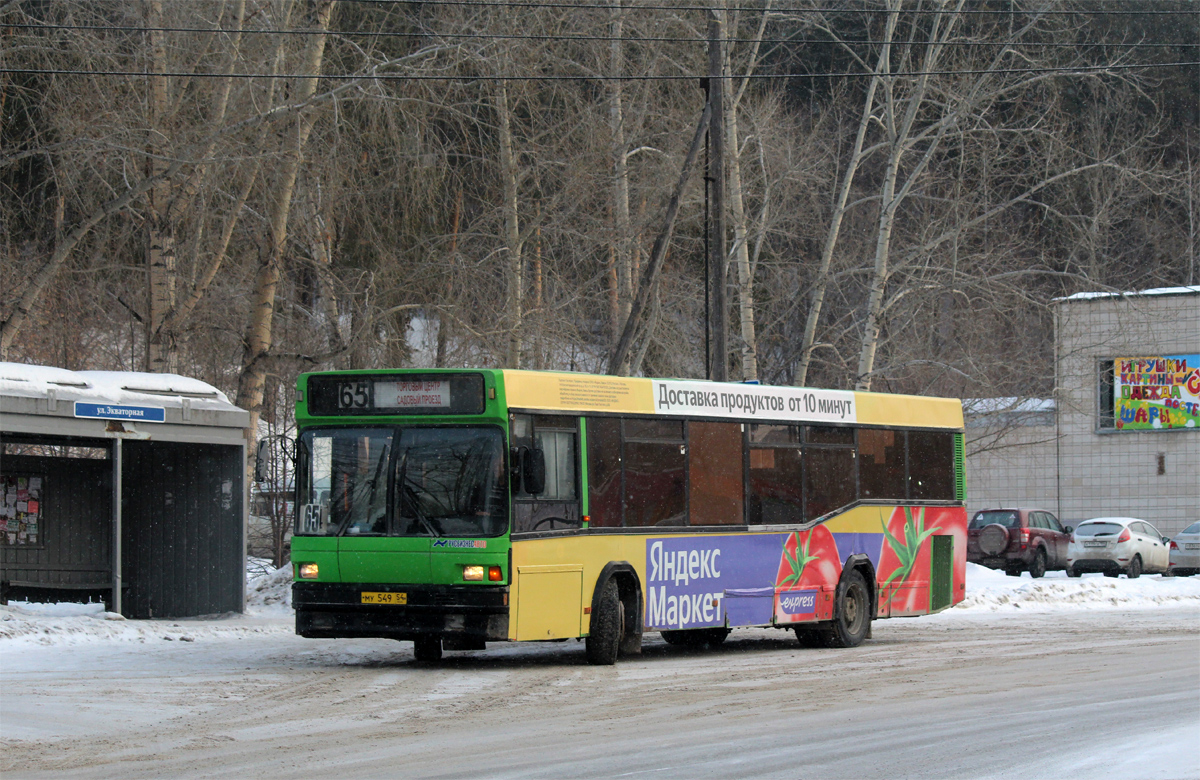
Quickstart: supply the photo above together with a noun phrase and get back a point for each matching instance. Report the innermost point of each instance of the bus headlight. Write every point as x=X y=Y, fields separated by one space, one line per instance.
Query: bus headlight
x=306 y=571
x=473 y=573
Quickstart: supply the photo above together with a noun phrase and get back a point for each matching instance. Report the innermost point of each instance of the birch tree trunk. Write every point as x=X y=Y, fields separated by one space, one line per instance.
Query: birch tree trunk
x=514 y=265
x=845 y=185
x=181 y=200
x=11 y=327
x=737 y=206
x=160 y=253
x=257 y=349
x=622 y=259
x=439 y=355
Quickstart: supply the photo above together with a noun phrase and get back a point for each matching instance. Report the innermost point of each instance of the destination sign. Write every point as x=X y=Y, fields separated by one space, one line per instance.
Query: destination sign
x=354 y=394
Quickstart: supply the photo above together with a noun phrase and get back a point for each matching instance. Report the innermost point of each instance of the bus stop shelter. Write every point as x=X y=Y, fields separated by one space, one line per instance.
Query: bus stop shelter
x=124 y=486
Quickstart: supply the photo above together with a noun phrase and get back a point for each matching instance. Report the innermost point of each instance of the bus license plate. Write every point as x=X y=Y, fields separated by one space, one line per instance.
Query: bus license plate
x=373 y=597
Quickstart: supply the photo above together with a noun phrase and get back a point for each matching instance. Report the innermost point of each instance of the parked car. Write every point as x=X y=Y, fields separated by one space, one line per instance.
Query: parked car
x=1185 y=551
x=1018 y=540
x=1117 y=544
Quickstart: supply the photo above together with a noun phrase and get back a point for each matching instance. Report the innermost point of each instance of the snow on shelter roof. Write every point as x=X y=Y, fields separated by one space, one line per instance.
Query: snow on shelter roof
x=117 y=386
x=1012 y=404
x=41 y=390
x=1091 y=296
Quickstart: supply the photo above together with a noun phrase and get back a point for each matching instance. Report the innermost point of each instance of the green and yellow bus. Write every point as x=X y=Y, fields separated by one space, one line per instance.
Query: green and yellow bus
x=451 y=508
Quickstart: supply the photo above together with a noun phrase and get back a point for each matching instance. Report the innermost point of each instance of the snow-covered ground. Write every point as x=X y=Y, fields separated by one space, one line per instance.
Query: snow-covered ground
x=268 y=607
x=87 y=694
x=991 y=591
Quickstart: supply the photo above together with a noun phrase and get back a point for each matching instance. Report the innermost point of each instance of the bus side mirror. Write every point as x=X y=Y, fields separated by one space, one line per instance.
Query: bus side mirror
x=260 y=461
x=533 y=470
x=515 y=458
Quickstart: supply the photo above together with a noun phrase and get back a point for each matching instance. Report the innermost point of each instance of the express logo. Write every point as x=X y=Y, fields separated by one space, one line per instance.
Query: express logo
x=798 y=602
x=470 y=544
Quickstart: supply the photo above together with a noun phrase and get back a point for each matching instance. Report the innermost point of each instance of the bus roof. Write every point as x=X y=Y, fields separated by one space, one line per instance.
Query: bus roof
x=565 y=391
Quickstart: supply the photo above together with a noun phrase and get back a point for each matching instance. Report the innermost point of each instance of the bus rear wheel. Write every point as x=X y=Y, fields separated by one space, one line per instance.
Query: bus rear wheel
x=604 y=636
x=851 y=612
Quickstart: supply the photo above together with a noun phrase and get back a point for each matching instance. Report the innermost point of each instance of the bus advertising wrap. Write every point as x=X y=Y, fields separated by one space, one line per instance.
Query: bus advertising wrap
x=1156 y=393
x=755 y=402
x=712 y=581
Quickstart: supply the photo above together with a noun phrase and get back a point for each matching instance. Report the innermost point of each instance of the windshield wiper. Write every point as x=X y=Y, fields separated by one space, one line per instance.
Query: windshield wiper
x=417 y=513
x=413 y=499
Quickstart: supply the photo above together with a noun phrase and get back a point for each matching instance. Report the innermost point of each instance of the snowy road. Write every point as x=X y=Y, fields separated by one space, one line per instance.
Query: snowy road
x=994 y=690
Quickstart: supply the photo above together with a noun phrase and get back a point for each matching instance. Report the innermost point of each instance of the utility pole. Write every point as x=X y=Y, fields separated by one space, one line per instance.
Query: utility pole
x=718 y=262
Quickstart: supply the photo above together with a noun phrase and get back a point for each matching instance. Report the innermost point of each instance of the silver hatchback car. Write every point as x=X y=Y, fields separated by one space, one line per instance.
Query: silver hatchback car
x=1185 y=551
x=1116 y=545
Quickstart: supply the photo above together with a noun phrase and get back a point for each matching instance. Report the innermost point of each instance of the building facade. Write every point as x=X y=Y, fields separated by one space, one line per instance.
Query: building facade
x=1122 y=434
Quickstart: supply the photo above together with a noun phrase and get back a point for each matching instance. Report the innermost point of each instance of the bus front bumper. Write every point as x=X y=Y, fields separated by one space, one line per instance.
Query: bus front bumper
x=327 y=610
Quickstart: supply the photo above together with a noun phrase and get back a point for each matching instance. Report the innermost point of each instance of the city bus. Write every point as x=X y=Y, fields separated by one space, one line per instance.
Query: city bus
x=452 y=508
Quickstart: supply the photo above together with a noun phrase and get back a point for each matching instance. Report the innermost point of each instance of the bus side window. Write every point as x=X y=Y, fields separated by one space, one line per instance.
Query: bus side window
x=881 y=464
x=828 y=480
x=931 y=465
x=559 y=447
x=556 y=507
x=776 y=484
x=655 y=460
x=604 y=471
x=715 y=473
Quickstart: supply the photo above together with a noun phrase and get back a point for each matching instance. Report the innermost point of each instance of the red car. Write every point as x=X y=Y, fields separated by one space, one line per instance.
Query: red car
x=1018 y=540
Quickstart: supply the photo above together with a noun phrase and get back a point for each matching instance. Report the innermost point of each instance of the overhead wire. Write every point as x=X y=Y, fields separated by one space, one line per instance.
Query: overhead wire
x=542 y=37
x=1081 y=69
x=538 y=4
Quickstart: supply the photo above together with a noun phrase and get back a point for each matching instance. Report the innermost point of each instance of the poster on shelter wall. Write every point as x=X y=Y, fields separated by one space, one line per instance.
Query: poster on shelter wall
x=21 y=509
x=1156 y=393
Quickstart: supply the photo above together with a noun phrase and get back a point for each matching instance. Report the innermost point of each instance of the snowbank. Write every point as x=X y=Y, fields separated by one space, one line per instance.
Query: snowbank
x=268 y=610
x=77 y=624
x=993 y=591
x=270 y=593
x=269 y=607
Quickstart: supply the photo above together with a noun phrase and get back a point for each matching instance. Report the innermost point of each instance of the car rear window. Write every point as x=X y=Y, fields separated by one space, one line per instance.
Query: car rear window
x=1098 y=529
x=1194 y=528
x=1006 y=519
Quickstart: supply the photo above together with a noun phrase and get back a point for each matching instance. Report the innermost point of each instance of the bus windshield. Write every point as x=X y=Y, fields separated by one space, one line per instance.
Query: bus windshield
x=443 y=482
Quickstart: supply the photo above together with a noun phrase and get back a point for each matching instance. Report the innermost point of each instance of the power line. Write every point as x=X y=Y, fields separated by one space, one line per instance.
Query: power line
x=735 y=8
x=539 y=5
x=555 y=38
x=428 y=77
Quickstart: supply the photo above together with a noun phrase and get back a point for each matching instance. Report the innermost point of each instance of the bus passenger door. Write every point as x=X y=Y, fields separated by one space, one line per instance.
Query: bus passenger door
x=557 y=507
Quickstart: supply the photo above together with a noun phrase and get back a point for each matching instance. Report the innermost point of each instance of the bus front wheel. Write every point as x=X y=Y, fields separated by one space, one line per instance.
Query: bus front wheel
x=851 y=612
x=604 y=636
